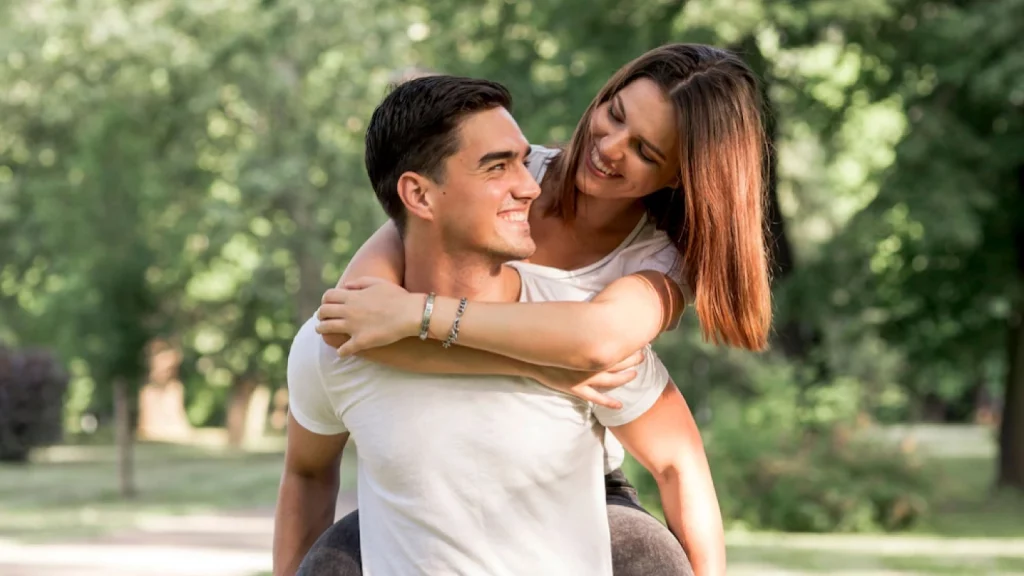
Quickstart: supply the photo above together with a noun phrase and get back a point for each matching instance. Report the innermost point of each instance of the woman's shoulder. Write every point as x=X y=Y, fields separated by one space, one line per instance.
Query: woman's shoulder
x=543 y=152
x=652 y=249
x=539 y=159
x=650 y=238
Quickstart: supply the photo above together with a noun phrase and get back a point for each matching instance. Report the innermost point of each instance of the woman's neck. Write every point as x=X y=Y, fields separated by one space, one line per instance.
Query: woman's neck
x=607 y=216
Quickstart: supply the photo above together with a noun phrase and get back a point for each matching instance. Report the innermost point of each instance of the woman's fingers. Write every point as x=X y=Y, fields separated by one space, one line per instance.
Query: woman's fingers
x=363 y=282
x=349 y=348
x=612 y=380
x=590 y=395
x=332 y=327
x=632 y=360
x=330 y=312
x=334 y=296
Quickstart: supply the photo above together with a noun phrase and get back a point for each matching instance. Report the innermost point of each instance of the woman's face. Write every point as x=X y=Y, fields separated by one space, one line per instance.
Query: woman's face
x=631 y=148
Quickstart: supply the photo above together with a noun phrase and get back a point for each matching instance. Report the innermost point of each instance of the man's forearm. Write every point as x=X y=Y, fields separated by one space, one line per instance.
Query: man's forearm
x=696 y=521
x=305 y=509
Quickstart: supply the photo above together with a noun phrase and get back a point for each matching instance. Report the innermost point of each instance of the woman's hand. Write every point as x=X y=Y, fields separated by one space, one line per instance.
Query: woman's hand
x=372 y=312
x=590 y=385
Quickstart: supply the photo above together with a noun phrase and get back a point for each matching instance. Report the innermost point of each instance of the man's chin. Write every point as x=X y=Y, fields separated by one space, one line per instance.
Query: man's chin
x=514 y=253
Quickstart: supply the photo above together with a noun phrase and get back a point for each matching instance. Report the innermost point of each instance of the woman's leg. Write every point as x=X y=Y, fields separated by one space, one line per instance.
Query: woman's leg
x=641 y=545
x=336 y=551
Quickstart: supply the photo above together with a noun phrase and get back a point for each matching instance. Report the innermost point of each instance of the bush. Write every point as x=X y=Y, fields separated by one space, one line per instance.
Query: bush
x=793 y=457
x=32 y=386
x=824 y=482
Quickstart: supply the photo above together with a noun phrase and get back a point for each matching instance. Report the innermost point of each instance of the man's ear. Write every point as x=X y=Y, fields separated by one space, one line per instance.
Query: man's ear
x=415 y=191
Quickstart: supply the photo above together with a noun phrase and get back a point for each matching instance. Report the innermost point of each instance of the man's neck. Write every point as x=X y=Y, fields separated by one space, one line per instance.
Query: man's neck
x=472 y=276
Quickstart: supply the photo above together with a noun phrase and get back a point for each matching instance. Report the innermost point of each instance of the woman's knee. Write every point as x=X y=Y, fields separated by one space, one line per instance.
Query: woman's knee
x=643 y=546
x=336 y=552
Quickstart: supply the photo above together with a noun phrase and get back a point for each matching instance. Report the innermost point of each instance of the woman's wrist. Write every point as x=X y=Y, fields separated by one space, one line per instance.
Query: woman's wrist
x=445 y=309
x=414 y=324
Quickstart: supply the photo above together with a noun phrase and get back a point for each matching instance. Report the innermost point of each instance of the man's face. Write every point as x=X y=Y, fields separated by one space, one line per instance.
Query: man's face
x=483 y=205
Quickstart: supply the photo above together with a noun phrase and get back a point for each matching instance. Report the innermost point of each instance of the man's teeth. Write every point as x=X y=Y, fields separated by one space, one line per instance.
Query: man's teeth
x=514 y=216
x=595 y=158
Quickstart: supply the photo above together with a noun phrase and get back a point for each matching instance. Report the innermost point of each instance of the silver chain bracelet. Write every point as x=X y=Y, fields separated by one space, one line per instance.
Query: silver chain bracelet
x=454 y=334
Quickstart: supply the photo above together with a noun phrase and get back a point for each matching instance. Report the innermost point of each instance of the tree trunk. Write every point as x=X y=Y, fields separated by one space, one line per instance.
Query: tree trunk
x=1011 y=433
x=124 y=439
x=238 y=407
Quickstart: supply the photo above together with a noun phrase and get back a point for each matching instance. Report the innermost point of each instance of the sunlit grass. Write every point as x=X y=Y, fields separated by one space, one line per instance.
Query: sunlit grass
x=970 y=530
x=73 y=490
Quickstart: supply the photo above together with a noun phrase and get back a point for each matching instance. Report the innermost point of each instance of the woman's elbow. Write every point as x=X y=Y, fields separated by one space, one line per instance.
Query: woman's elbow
x=599 y=355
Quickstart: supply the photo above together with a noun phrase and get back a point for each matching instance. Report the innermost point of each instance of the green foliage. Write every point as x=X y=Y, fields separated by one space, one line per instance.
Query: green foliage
x=795 y=459
x=191 y=170
x=32 y=387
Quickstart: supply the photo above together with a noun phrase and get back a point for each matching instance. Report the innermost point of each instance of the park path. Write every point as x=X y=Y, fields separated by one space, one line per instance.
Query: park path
x=221 y=544
x=238 y=544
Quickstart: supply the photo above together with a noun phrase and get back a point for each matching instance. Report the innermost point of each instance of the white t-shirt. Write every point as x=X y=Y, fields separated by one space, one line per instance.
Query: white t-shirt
x=646 y=248
x=469 y=475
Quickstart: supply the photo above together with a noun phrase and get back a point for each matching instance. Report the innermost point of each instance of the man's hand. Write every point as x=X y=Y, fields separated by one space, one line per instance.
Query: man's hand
x=590 y=385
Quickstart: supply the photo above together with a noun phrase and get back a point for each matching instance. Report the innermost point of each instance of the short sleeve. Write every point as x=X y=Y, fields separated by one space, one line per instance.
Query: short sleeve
x=637 y=396
x=666 y=259
x=308 y=400
x=539 y=159
x=662 y=256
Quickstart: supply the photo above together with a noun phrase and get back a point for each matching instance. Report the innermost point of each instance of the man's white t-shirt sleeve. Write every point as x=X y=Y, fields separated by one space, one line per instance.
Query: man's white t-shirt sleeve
x=637 y=396
x=308 y=400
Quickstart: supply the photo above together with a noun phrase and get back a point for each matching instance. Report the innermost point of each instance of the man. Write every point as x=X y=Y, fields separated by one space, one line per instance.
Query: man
x=455 y=478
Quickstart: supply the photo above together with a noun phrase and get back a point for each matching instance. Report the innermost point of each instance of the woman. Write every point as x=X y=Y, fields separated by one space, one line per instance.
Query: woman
x=657 y=201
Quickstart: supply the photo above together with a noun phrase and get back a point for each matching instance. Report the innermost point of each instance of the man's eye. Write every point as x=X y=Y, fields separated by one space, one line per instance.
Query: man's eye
x=498 y=167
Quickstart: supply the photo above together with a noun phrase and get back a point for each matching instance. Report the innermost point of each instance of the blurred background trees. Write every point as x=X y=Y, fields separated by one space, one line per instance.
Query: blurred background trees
x=180 y=181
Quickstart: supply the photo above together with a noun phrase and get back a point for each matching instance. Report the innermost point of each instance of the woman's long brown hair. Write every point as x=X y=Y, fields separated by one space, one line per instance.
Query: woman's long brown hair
x=715 y=217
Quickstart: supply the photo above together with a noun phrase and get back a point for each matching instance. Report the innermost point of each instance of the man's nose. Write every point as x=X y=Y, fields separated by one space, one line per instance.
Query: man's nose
x=526 y=188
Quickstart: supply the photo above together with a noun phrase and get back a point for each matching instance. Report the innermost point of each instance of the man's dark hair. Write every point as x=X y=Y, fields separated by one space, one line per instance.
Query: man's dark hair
x=416 y=128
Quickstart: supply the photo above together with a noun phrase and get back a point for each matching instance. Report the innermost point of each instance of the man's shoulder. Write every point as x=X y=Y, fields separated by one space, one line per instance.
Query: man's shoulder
x=306 y=348
x=544 y=284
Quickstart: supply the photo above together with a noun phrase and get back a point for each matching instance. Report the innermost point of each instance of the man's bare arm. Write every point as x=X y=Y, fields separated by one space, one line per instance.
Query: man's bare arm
x=666 y=441
x=308 y=493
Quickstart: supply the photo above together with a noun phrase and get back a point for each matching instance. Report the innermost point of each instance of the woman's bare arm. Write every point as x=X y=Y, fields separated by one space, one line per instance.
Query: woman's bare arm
x=383 y=256
x=621 y=319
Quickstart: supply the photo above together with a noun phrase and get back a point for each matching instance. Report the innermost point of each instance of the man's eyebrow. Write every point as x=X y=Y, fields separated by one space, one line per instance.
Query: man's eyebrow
x=655 y=149
x=501 y=155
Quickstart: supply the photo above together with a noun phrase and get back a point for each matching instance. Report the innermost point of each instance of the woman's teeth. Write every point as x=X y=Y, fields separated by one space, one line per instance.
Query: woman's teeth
x=595 y=159
x=514 y=216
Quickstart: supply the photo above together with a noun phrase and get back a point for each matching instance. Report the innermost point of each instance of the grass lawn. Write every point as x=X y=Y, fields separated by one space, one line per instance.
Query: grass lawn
x=970 y=531
x=72 y=491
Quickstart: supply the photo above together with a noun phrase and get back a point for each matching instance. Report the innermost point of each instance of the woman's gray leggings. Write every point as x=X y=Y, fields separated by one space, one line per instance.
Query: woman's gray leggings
x=641 y=546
